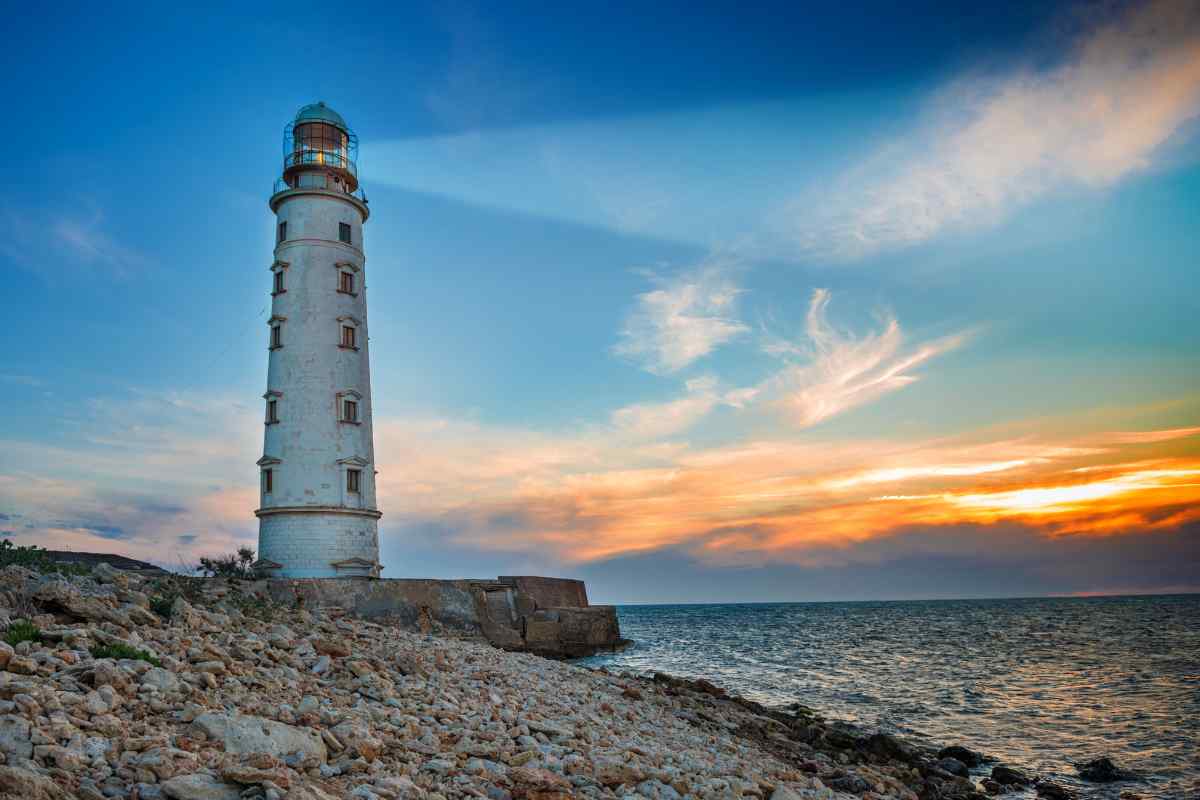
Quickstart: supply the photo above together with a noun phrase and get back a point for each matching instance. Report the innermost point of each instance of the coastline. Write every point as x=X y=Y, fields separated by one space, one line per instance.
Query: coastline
x=221 y=694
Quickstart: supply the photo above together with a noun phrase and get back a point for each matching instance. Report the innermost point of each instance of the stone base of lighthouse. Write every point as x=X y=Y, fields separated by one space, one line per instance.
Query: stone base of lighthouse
x=318 y=543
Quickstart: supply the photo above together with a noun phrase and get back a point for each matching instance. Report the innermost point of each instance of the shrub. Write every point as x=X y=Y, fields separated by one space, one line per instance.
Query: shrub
x=37 y=559
x=234 y=565
x=22 y=631
x=119 y=651
x=162 y=605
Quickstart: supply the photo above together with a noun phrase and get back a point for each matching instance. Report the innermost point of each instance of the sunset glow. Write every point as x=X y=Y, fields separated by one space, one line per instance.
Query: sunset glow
x=730 y=312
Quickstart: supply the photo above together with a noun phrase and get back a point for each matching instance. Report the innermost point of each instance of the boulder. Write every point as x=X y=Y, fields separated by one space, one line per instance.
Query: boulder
x=1052 y=791
x=359 y=739
x=63 y=595
x=17 y=782
x=14 y=737
x=22 y=665
x=614 y=772
x=106 y=672
x=1007 y=776
x=254 y=769
x=850 y=784
x=968 y=757
x=786 y=793
x=1103 y=770
x=308 y=791
x=246 y=734
x=887 y=746
x=161 y=679
x=107 y=573
x=336 y=648
x=539 y=784
x=953 y=766
x=200 y=786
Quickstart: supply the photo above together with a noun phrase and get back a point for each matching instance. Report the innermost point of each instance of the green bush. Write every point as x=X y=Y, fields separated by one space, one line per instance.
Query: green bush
x=162 y=605
x=22 y=631
x=37 y=559
x=119 y=651
x=234 y=565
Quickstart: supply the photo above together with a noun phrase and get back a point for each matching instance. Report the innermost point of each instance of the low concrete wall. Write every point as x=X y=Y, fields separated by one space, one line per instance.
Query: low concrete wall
x=526 y=613
x=550 y=592
x=414 y=602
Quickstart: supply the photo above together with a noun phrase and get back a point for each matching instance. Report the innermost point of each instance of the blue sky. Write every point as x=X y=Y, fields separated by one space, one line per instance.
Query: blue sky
x=653 y=292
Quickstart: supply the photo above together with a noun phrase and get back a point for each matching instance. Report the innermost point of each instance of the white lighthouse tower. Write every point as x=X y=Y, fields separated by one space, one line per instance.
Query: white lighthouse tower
x=317 y=515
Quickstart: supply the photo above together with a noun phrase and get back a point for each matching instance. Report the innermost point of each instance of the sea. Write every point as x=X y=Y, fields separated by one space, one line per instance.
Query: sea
x=1040 y=684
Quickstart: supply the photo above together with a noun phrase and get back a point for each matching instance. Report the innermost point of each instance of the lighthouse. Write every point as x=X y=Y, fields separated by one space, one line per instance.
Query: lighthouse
x=317 y=515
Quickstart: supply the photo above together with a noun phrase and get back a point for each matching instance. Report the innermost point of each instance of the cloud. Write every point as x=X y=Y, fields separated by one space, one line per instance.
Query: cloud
x=791 y=501
x=142 y=468
x=1152 y=437
x=991 y=144
x=651 y=420
x=683 y=320
x=48 y=241
x=839 y=371
x=180 y=483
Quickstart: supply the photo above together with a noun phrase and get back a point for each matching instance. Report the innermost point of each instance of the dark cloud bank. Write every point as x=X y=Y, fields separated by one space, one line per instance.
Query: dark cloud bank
x=1002 y=560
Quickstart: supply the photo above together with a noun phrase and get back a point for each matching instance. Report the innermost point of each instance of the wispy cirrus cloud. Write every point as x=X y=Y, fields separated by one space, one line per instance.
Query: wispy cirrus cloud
x=688 y=316
x=47 y=242
x=1125 y=84
x=1150 y=437
x=830 y=371
x=650 y=420
x=825 y=370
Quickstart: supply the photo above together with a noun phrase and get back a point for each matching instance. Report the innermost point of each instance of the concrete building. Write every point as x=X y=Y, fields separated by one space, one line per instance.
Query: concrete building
x=317 y=514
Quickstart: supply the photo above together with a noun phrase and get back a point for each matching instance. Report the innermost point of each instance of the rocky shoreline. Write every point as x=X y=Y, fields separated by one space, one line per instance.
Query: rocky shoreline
x=120 y=686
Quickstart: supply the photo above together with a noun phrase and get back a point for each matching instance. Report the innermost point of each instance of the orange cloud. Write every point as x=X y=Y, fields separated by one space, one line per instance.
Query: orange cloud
x=624 y=487
x=786 y=500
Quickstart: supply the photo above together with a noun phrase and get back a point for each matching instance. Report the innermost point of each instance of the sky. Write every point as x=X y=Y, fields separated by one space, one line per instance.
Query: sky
x=696 y=302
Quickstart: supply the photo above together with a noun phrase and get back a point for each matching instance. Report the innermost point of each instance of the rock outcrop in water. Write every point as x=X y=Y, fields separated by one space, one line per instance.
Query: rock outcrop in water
x=190 y=690
x=1103 y=770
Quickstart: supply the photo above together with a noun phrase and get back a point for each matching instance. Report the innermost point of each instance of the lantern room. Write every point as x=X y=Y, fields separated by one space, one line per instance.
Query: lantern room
x=320 y=151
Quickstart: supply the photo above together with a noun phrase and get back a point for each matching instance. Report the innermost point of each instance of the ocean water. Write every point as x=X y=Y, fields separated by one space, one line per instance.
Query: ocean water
x=1037 y=683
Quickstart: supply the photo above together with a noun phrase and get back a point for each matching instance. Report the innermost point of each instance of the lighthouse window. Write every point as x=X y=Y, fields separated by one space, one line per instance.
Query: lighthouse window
x=343 y=232
x=346 y=282
x=272 y=412
x=349 y=411
x=278 y=287
x=276 y=336
x=353 y=480
x=267 y=481
x=349 y=336
x=282 y=236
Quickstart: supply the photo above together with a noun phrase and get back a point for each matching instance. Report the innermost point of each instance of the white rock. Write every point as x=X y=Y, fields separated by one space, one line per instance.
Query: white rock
x=246 y=734
x=14 y=737
x=161 y=679
x=200 y=786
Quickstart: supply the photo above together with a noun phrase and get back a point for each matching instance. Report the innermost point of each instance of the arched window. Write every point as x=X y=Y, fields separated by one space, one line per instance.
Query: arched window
x=347 y=278
x=272 y=398
x=349 y=407
x=276 y=323
x=278 y=282
x=348 y=338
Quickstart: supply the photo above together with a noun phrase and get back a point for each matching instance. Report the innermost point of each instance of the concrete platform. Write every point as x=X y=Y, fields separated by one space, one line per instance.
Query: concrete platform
x=547 y=616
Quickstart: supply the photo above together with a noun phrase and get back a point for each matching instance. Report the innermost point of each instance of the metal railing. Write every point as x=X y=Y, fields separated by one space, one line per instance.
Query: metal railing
x=318 y=182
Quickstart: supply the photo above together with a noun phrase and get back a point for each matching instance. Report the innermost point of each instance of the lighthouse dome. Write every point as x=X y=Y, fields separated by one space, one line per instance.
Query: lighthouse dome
x=319 y=112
